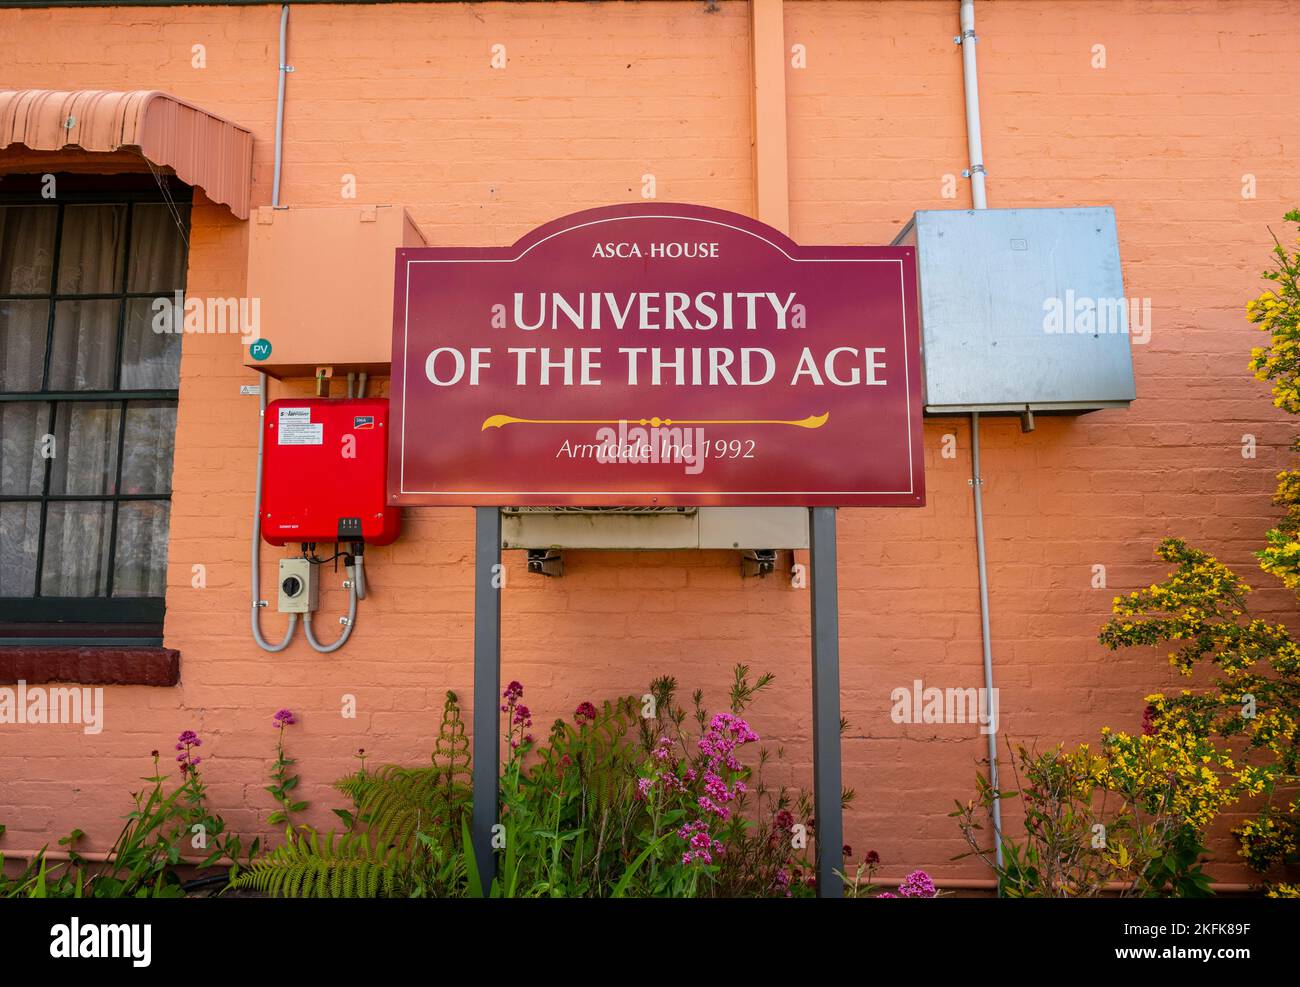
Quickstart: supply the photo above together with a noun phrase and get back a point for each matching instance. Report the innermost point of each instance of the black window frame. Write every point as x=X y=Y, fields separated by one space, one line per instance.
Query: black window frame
x=124 y=620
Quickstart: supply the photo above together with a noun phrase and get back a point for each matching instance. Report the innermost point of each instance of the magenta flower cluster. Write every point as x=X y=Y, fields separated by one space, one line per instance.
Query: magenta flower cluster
x=700 y=846
x=186 y=744
x=284 y=718
x=917 y=885
x=727 y=733
x=585 y=713
x=517 y=714
x=666 y=777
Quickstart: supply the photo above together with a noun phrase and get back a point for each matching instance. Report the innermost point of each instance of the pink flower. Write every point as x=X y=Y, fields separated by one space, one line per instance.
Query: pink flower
x=662 y=750
x=700 y=845
x=186 y=743
x=917 y=885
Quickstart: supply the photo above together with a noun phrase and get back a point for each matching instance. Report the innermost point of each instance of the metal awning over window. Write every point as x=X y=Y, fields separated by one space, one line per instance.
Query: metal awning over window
x=201 y=148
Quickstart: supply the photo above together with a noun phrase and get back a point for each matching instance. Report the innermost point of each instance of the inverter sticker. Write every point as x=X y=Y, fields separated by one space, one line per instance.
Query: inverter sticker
x=297 y=429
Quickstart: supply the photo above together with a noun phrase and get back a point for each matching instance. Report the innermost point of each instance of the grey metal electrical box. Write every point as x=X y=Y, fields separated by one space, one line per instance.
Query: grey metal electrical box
x=1023 y=309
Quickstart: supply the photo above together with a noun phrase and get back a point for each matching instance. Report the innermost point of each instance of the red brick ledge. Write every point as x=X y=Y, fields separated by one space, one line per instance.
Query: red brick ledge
x=106 y=665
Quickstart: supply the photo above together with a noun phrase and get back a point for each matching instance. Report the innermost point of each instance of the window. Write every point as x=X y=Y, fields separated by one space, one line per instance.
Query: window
x=88 y=395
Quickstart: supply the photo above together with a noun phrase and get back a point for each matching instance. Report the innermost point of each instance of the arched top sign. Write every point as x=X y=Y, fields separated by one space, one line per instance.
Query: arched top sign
x=656 y=354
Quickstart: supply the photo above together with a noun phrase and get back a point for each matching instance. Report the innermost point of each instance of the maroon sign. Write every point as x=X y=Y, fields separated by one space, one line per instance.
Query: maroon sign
x=656 y=354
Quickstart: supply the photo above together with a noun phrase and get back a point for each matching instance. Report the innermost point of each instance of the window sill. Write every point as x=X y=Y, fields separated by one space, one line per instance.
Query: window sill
x=90 y=665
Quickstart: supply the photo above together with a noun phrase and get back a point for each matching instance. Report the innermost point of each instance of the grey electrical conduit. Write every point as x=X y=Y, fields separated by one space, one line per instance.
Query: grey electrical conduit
x=359 y=572
x=975 y=147
x=263 y=384
x=356 y=584
x=258 y=603
x=356 y=581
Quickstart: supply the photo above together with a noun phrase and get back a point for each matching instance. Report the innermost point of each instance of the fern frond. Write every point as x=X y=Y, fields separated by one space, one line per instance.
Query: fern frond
x=342 y=866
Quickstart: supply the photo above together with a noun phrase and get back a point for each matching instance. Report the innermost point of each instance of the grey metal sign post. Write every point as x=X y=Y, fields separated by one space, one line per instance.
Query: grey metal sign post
x=825 y=699
x=827 y=788
x=487 y=688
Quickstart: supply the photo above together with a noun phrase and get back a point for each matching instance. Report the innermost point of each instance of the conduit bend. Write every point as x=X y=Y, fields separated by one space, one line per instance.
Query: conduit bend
x=348 y=623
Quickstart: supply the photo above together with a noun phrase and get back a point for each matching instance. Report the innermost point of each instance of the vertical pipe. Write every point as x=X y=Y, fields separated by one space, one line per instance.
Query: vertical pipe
x=827 y=780
x=979 y=199
x=279 y=105
x=977 y=485
x=487 y=688
x=970 y=77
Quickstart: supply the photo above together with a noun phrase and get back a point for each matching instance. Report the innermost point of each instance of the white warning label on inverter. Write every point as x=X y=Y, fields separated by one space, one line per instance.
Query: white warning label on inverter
x=297 y=428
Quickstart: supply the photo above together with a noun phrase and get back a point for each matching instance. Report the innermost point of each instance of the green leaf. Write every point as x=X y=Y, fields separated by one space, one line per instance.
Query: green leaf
x=620 y=888
x=471 y=865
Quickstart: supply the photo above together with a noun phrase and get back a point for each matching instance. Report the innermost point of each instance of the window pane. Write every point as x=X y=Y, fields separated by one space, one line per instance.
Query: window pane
x=140 y=566
x=85 y=450
x=157 y=250
x=27 y=249
x=147 y=457
x=20 y=526
x=77 y=536
x=90 y=253
x=149 y=359
x=23 y=426
x=85 y=345
x=23 y=327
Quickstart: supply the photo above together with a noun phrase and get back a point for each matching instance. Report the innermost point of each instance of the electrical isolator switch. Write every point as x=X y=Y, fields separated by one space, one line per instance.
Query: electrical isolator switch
x=299 y=592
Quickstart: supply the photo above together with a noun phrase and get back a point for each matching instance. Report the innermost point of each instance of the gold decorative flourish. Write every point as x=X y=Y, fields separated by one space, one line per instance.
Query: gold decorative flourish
x=500 y=421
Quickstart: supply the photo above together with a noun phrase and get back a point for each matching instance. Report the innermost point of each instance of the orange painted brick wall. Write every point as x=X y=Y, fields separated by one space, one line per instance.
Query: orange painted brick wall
x=595 y=96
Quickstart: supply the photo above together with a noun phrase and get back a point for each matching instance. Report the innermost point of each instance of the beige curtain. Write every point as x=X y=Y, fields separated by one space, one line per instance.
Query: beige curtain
x=82 y=447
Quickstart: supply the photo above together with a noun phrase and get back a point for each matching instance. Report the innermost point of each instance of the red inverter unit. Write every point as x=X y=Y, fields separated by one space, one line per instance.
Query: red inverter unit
x=325 y=472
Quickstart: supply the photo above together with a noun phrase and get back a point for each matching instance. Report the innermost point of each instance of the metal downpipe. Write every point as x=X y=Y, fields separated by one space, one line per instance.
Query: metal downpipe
x=979 y=200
